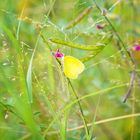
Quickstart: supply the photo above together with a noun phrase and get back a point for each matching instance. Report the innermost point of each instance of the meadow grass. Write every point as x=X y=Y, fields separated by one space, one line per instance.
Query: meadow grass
x=38 y=100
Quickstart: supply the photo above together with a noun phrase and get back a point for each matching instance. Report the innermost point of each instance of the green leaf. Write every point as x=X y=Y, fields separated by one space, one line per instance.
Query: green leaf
x=29 y=75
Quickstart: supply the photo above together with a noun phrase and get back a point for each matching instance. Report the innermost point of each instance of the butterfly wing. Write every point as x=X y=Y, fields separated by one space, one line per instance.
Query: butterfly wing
x=72 y=67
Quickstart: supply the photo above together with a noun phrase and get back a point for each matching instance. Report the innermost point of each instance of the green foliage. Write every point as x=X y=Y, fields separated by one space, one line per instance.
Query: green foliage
x=37 y=100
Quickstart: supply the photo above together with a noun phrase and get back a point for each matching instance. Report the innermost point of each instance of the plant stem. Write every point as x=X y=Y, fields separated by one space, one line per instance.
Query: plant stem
x=130 y=86
x=75 y=94
x=116 y=33
x=80 y=107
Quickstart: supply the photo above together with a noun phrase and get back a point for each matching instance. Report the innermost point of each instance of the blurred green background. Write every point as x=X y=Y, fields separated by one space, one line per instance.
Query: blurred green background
x=36 y=99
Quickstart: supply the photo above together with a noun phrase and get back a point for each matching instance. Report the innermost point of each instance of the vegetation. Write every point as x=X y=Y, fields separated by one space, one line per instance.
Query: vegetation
x=69 y=70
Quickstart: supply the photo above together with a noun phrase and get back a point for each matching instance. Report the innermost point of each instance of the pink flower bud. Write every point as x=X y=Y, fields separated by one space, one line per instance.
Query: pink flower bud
x=58 y=54
x=136 y=47
x=100 y=26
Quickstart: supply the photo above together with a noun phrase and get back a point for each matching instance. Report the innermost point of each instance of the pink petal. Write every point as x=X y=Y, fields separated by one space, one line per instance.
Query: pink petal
x=58 y=54
x=136 y=48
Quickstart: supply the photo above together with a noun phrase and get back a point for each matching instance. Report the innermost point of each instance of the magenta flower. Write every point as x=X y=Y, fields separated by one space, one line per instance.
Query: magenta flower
x=136 y=47
x=58 y=54
x=100 y=26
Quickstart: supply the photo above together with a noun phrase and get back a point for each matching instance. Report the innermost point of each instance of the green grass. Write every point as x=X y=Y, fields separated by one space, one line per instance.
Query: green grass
x=37 y=100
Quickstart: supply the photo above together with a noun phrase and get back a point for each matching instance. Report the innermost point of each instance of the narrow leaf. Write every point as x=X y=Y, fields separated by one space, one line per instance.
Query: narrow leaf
x=29 y=75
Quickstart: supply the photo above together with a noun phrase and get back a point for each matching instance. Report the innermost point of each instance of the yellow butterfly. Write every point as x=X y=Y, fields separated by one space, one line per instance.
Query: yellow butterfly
x=72 y=67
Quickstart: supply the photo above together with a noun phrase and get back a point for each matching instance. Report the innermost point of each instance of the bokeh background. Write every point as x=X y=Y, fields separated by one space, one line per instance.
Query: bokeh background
x=36 y=99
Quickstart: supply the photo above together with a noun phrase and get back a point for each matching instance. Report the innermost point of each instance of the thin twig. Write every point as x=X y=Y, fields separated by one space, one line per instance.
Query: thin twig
x=115 y=32
x=130 y=86
x=127 y=52
x=98 y=122
x=80 y=107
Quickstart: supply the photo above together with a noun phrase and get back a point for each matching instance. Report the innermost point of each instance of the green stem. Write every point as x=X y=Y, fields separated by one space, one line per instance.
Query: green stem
x=75 y=94
x=116 y=33
x=80 y=107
